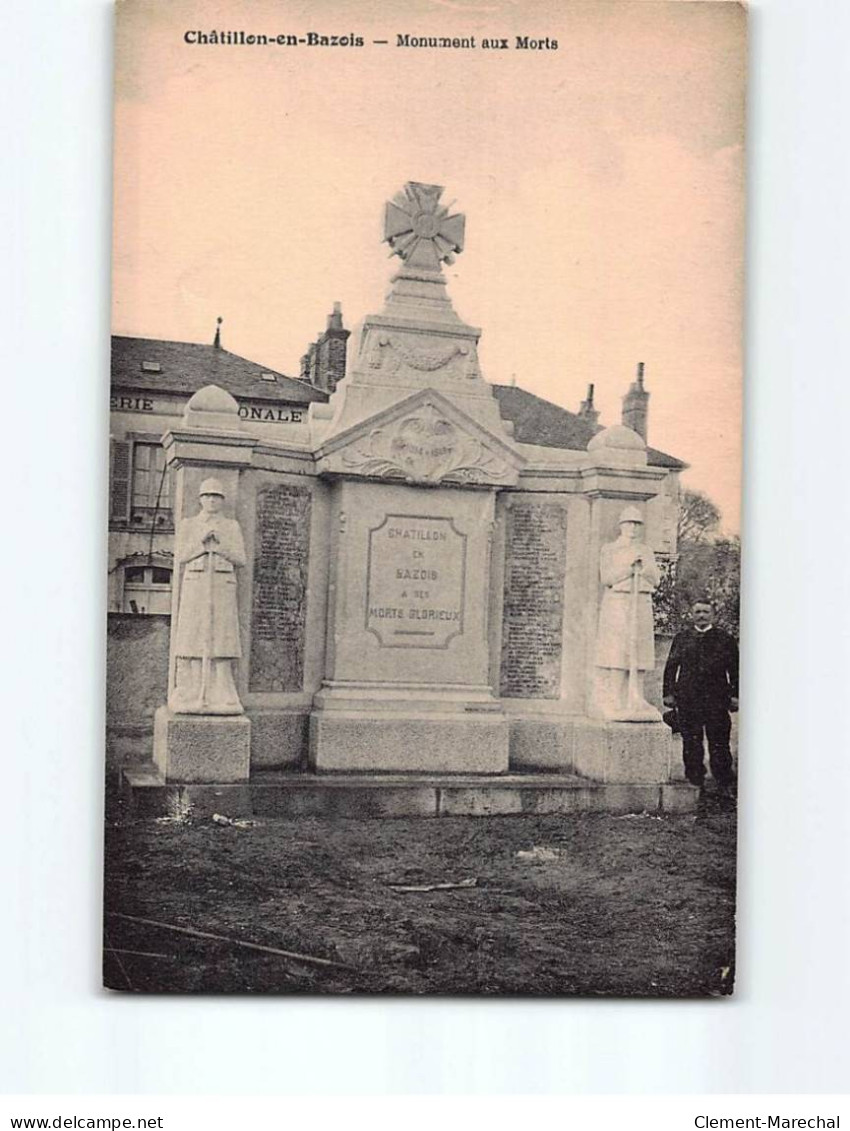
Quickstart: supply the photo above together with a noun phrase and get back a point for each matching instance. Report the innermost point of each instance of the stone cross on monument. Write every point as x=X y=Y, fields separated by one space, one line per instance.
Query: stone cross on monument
x=420 y=230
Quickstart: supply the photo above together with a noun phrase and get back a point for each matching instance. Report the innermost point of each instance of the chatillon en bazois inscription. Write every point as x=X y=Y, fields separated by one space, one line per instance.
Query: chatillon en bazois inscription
x=416 y=573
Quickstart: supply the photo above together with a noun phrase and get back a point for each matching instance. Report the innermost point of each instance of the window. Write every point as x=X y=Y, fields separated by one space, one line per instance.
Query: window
x=140 y=485
x=151 y=487
x=147 y=589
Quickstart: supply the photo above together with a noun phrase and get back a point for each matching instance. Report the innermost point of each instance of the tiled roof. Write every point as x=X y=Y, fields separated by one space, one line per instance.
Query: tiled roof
x=540 y=422
x=186 y=367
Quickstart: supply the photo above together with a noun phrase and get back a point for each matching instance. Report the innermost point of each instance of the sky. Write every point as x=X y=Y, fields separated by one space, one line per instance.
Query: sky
x=602 y=184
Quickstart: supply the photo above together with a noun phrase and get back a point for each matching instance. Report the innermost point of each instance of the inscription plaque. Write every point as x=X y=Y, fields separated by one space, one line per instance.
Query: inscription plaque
x=415 y=577
x=279 y=605
x=533 y=614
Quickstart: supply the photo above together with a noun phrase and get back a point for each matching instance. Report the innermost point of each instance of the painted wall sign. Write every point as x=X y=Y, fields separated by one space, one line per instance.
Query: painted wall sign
x=131 y=404
x=275 y=415
x=265 y=414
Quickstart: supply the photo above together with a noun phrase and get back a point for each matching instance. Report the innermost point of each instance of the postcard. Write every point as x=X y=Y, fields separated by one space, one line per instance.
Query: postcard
x=424 y=525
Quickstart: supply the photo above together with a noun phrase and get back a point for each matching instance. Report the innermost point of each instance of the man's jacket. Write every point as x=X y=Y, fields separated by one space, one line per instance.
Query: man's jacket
x=702 y=669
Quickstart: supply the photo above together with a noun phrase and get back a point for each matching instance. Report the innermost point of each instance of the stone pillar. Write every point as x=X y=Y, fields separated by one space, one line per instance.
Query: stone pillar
x=415 y=448
x=606 y=749
x=205 y=748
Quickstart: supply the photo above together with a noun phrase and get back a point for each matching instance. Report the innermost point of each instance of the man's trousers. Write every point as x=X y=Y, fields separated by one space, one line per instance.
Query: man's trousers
x=715 y=725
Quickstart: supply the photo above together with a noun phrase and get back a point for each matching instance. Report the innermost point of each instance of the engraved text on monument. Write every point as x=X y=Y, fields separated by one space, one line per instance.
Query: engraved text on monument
x=415 y=581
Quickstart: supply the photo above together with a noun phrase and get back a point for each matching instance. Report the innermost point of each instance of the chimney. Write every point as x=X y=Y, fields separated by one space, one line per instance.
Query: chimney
x=324 y=363
x=586 y=409
x=335 y=317
x=636 y=405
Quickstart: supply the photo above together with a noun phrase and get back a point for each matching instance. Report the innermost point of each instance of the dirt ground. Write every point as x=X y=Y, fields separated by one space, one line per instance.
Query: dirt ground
x=621 y=906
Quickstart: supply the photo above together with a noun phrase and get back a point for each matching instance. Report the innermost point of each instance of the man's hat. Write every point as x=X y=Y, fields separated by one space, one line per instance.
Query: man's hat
x=630 y=514
x=211 y=487
x=671 y=718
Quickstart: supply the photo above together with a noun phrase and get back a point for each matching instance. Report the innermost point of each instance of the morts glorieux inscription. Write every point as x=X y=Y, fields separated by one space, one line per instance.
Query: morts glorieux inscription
x=416 y=572
x=532 y=620
x=280 y=589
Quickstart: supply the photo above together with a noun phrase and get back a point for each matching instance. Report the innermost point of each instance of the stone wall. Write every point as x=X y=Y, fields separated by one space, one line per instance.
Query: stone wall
x=654 y=679
x=136 y=683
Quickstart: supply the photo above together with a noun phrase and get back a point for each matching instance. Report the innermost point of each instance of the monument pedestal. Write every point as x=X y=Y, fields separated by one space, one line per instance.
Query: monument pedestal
x=608 y=751
x=202 y=748
x=423 y=739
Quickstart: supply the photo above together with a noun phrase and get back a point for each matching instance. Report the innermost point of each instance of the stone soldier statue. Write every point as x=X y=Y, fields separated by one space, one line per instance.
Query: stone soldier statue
x=206 y=639
x=625 y=641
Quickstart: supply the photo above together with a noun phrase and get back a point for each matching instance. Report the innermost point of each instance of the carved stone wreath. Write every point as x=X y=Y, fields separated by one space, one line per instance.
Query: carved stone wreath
x=425 y=448
x=390 y=353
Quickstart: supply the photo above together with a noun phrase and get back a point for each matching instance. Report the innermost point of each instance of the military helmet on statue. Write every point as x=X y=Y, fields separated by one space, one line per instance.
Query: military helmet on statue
x=630 y=514
x=211 y=487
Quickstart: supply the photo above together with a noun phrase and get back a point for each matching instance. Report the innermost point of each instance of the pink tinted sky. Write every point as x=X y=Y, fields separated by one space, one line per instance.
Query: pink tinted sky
x=602 y=184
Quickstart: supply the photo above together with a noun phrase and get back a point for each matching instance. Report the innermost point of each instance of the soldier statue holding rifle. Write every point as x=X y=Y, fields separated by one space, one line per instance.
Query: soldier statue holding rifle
x=206 y=642
x=625 y=642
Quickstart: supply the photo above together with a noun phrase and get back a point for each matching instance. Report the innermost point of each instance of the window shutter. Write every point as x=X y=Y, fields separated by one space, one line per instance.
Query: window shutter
x=119 y=480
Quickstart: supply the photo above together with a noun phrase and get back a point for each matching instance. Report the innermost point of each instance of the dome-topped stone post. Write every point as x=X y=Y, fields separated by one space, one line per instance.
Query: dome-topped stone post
x=202 y=734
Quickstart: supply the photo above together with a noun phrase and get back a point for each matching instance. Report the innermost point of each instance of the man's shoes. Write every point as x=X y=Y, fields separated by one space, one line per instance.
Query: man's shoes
x=725 y=794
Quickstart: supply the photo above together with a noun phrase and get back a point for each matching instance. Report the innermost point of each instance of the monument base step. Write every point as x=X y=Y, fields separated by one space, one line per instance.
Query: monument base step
x=383 y=742
x=285 y=794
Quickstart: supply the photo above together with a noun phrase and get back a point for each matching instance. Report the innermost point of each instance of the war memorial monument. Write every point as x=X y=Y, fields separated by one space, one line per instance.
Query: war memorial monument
x=405 y=610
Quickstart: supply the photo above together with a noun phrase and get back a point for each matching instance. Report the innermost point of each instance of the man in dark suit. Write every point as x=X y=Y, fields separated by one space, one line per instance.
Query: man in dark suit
x=701 y=682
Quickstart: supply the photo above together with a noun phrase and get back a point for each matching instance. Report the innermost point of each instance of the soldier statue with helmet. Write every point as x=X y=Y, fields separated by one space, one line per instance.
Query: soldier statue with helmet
x=625 y=639
x=206 y=639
